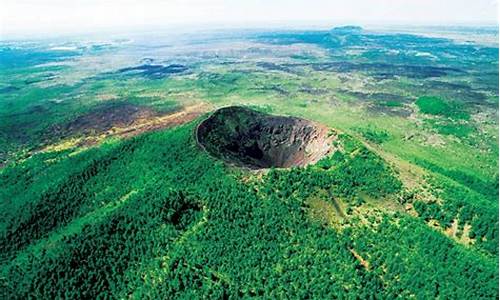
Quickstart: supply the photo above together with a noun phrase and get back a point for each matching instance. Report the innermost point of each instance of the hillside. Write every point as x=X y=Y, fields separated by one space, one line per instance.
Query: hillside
x=299 y=164
x=156 y=216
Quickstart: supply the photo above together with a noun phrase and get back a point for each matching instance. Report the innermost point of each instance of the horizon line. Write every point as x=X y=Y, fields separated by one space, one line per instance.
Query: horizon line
x=227 y=26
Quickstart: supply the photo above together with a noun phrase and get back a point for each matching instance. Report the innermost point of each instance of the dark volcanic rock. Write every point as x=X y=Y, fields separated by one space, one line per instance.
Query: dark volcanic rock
x=155 y=71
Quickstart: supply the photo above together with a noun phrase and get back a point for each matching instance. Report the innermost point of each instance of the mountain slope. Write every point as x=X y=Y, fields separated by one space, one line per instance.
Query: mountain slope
x=156 y=216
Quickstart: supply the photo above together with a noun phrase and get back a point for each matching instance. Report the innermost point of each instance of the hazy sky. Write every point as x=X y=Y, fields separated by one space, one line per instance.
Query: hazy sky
x=66 y=16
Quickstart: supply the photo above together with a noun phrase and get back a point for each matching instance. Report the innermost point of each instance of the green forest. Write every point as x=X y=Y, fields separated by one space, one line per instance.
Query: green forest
x=156 y=217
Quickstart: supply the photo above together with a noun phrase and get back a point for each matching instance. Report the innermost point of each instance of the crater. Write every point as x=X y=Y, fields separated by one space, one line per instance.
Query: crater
x=248 y=138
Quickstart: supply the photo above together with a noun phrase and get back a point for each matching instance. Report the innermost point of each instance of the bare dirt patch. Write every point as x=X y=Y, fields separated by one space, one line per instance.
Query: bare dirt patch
x=103 y=118
x=248 y=138
x=123 y=122
x=184 y=115
x=361 y=260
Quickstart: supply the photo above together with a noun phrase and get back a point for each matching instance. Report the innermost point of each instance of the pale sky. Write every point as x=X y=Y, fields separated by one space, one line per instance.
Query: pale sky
x=46 y=17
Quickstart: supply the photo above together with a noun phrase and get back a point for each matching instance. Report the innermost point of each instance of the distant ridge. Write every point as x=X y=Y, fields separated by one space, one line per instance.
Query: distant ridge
x=347 y=29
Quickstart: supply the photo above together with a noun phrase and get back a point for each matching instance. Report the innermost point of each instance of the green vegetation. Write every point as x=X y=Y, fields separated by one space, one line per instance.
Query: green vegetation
x=440 y=107
x=467 y=207
x=487 y=188
x=397 y=249
x=373 y=135
x=168 y=236
x=453 y=128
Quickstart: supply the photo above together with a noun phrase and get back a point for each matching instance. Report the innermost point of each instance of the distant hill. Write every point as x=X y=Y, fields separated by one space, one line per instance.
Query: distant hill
x=347 y=29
